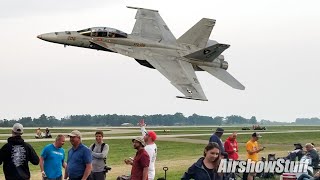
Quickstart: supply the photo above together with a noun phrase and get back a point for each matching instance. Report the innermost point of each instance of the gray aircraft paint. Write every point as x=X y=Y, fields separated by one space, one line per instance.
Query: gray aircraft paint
x=152 y=41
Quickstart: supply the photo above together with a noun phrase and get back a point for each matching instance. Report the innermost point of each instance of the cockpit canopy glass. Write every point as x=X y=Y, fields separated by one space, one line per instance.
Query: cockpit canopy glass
x=85 y=32
x=103 y=32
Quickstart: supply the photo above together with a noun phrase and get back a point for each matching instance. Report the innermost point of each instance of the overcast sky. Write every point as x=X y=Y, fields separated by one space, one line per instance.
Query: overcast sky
x=274 y=52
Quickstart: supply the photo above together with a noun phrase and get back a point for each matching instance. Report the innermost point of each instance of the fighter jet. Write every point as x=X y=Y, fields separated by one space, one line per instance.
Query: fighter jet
x=152 y=44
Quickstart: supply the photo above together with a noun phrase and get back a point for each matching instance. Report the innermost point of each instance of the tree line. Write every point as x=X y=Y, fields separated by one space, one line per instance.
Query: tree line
x=308 y=121
x=155 y=120
x=118 y=120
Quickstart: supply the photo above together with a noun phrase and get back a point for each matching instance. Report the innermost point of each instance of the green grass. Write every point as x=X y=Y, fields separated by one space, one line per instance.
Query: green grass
x=171 y=153
x=177 y=174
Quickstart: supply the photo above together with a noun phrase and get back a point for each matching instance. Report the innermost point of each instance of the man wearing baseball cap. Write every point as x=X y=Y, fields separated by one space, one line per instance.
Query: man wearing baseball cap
x=216 y=137
x=140 y=162
x=253 y=149
x=151 y=148
x=79 y=163
x=15 y=156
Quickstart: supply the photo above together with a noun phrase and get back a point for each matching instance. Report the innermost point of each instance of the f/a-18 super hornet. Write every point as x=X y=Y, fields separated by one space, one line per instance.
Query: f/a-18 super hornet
x=153 y=45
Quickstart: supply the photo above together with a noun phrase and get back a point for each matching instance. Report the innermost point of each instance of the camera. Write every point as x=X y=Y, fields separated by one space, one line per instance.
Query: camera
x=106 y=169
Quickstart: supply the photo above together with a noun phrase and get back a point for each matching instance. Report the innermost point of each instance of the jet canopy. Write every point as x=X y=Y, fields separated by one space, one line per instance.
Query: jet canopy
x=103 y=32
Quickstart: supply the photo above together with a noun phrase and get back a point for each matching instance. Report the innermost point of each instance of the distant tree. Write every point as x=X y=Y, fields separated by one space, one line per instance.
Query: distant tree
x=233 y=119
x=53 y=121
x=6 y=123
x=200 y=120
x=178 y=118
x=308 y=121
x=253 y=120
x=217 y=120
x=192 y=120
x=156 y=119
x=41 y=121
x=263 y=121
x=81 y=120
x=26 y=121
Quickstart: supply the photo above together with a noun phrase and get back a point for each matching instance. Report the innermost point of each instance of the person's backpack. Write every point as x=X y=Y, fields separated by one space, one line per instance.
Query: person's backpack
x=102 y=146
x=94 y=145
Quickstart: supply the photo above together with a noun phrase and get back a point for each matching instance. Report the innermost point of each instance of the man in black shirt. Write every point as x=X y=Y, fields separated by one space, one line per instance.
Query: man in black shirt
x=15 y=156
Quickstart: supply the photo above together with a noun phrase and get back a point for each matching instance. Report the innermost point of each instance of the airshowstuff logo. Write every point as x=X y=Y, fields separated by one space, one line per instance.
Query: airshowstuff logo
x=278 y=166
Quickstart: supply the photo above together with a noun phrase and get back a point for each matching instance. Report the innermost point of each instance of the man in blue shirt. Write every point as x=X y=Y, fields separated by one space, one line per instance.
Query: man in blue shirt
x=79 y=163
x=52 y=159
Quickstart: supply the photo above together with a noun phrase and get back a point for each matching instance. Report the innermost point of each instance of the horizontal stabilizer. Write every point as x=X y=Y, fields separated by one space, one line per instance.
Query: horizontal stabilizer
x=208 y=54
x=224 y=76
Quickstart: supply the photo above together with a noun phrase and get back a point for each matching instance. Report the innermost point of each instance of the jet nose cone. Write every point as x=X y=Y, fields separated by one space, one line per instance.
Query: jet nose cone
x=51 y=37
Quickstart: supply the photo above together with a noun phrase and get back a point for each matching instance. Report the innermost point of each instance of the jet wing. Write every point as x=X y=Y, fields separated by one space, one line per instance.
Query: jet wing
x=224 y=76
x=150 y=25
x=181 y=74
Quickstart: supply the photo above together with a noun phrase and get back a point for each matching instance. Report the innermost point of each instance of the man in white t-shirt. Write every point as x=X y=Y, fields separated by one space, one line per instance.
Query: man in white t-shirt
x=151 y=148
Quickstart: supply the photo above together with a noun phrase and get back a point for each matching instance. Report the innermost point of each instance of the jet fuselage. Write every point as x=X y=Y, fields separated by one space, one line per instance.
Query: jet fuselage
x=129 y=45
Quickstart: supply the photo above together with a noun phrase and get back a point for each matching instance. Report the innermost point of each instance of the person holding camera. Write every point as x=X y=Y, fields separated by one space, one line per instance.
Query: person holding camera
x=253 y=149
x=99 y=158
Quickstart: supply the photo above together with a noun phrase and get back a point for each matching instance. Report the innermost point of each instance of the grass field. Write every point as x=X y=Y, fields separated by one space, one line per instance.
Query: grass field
x=179 y=155
x=121 y=149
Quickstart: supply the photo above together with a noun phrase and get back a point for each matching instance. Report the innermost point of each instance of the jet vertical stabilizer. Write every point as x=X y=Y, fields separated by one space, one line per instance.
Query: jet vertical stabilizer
x=199 y=34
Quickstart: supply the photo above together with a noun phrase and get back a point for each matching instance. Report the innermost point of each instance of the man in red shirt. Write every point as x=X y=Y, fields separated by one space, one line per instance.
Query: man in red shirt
x=140 y=163
x=231 y=146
